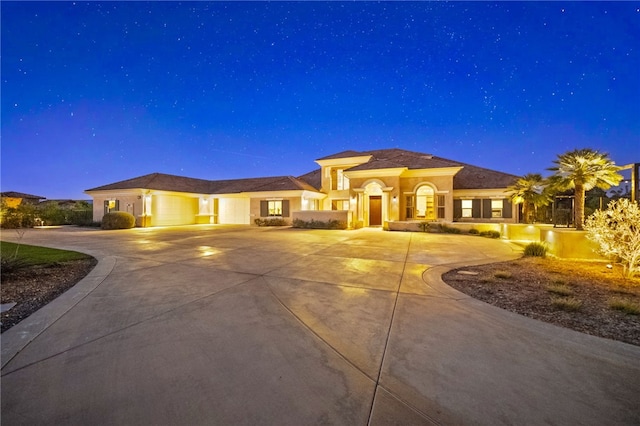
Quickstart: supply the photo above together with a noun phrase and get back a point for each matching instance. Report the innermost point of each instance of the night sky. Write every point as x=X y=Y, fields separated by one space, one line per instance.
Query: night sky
x=94 y=93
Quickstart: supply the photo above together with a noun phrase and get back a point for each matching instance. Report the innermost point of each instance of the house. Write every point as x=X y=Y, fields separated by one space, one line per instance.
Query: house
x=374 y=187
x=13 y=199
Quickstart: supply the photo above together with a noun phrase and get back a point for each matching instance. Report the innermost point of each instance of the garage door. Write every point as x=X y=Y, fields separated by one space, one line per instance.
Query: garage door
x=233 y=211
x=173 y=210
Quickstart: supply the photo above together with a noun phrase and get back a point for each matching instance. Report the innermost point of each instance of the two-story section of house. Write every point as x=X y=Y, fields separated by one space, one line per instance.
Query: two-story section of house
x=399 y=185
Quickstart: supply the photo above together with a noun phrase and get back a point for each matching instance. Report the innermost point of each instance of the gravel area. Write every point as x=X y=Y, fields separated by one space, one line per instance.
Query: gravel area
x=572 y=294
x=33 y=287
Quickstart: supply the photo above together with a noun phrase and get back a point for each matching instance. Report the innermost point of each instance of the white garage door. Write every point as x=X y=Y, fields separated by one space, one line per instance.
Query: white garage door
x=233 y=211
x=173 y=210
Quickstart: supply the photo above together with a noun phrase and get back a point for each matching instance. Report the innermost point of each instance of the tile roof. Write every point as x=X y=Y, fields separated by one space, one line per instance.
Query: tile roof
x=470 y=177
x=13 y=194
x=165 y=182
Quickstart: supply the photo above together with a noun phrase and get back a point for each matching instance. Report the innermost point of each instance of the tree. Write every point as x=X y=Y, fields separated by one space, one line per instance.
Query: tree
x=617 y=231
x=530 y=190
x=583 y=169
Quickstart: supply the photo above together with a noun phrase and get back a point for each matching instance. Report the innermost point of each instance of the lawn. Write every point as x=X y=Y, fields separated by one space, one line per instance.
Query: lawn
x=34 y=255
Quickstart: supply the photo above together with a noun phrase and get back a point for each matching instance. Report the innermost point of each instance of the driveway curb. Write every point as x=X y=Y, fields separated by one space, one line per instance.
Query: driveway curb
x=17 y=337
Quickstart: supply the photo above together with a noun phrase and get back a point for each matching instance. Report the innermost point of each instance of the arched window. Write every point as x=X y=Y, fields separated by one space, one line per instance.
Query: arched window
x=425 y=205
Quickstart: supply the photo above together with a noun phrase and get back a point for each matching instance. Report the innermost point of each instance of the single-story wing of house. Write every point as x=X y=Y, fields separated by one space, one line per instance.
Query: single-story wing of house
x=372 y=186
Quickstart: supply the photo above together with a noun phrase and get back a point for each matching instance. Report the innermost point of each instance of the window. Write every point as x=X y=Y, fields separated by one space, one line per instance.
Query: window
x=496 y=208
x=467 y=208
x=275 y=208
x=338 y=180
x=410 y=206
x=111 y=206
x=313 y=204
x=340 y=205
x=425 y=203
x=440 y=206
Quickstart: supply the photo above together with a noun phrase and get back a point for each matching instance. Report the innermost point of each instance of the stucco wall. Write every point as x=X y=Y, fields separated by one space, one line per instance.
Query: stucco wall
x=127 y=203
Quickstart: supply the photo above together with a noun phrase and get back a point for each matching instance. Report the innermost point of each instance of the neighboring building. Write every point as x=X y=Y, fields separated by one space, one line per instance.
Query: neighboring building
x=13 y=199
x=374 y=186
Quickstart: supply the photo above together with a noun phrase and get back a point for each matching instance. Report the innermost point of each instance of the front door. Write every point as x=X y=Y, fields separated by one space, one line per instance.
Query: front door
x=375 y=211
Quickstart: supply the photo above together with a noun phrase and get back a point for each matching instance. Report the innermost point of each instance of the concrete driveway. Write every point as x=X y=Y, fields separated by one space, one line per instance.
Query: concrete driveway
x=243 y=325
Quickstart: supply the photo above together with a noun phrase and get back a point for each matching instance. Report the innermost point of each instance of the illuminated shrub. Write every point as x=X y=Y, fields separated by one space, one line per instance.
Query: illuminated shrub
x=617 y=232
x=535 y=249
x=118 y=220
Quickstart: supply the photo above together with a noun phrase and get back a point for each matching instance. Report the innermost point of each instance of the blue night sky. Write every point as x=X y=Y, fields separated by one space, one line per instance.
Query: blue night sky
x=97 y=92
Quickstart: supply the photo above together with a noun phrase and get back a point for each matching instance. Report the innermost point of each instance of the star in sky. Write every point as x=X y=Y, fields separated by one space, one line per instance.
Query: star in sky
x=95 y=92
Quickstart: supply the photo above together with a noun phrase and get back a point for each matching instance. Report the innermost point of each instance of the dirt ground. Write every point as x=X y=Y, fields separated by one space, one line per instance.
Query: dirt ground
x=571 y=294
x=33 y=287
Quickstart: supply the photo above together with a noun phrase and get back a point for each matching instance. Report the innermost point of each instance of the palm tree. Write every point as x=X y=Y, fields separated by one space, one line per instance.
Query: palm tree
x=530 y=190
x=583 y=169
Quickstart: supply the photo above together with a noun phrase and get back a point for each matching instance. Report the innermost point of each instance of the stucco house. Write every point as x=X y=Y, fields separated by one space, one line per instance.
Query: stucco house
x=372 y=186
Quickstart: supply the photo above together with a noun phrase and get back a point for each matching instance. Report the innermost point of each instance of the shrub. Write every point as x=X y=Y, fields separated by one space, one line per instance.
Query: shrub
x=11 y=264
x=474 y=231
x=424 y=226
x=319 y=224
x=490 y=234
x=118 y=220
x=447 y=229
x=569 y=304
x=625 y=305
x=535 y=250
x=617 y=232
x=276 y=221
x=559 y=289
x=504 y=275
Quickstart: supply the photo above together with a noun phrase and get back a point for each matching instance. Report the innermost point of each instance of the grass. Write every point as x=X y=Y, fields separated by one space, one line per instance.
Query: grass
x=569 y=304
x=34 y=255
x=535 y=249
x=624 y=305
x=559 y=288
x=503 y=275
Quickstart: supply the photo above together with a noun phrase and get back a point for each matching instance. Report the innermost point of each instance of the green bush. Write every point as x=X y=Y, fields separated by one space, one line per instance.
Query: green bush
x=270 y=222
x=118 y=220
x=319 y=224
x=474 y=231
x=441 y=227
x=535 y=250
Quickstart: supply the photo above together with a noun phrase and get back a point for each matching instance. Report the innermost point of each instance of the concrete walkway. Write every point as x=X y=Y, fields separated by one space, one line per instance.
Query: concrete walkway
x=238 y=325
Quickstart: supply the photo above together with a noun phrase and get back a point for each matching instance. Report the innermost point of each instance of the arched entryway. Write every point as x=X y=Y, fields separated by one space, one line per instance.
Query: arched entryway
x=373 y=193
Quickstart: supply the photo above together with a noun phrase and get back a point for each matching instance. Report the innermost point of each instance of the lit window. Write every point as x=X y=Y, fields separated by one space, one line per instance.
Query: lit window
x=496 y=208
x=440 y=206
x=275 y=208
x=424 y=203
x=338 y=180
x=410 y=206
x=340 y=205
x=467 y=208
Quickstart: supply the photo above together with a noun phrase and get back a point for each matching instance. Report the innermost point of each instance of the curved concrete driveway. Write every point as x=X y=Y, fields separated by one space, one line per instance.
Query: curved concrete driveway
x=239 y=325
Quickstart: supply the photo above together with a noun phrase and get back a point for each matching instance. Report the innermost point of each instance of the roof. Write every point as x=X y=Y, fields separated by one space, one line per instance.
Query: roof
x=470 y=177
x=13 y=194
x=313 y=178
x=166 y=182
x=473 y=177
